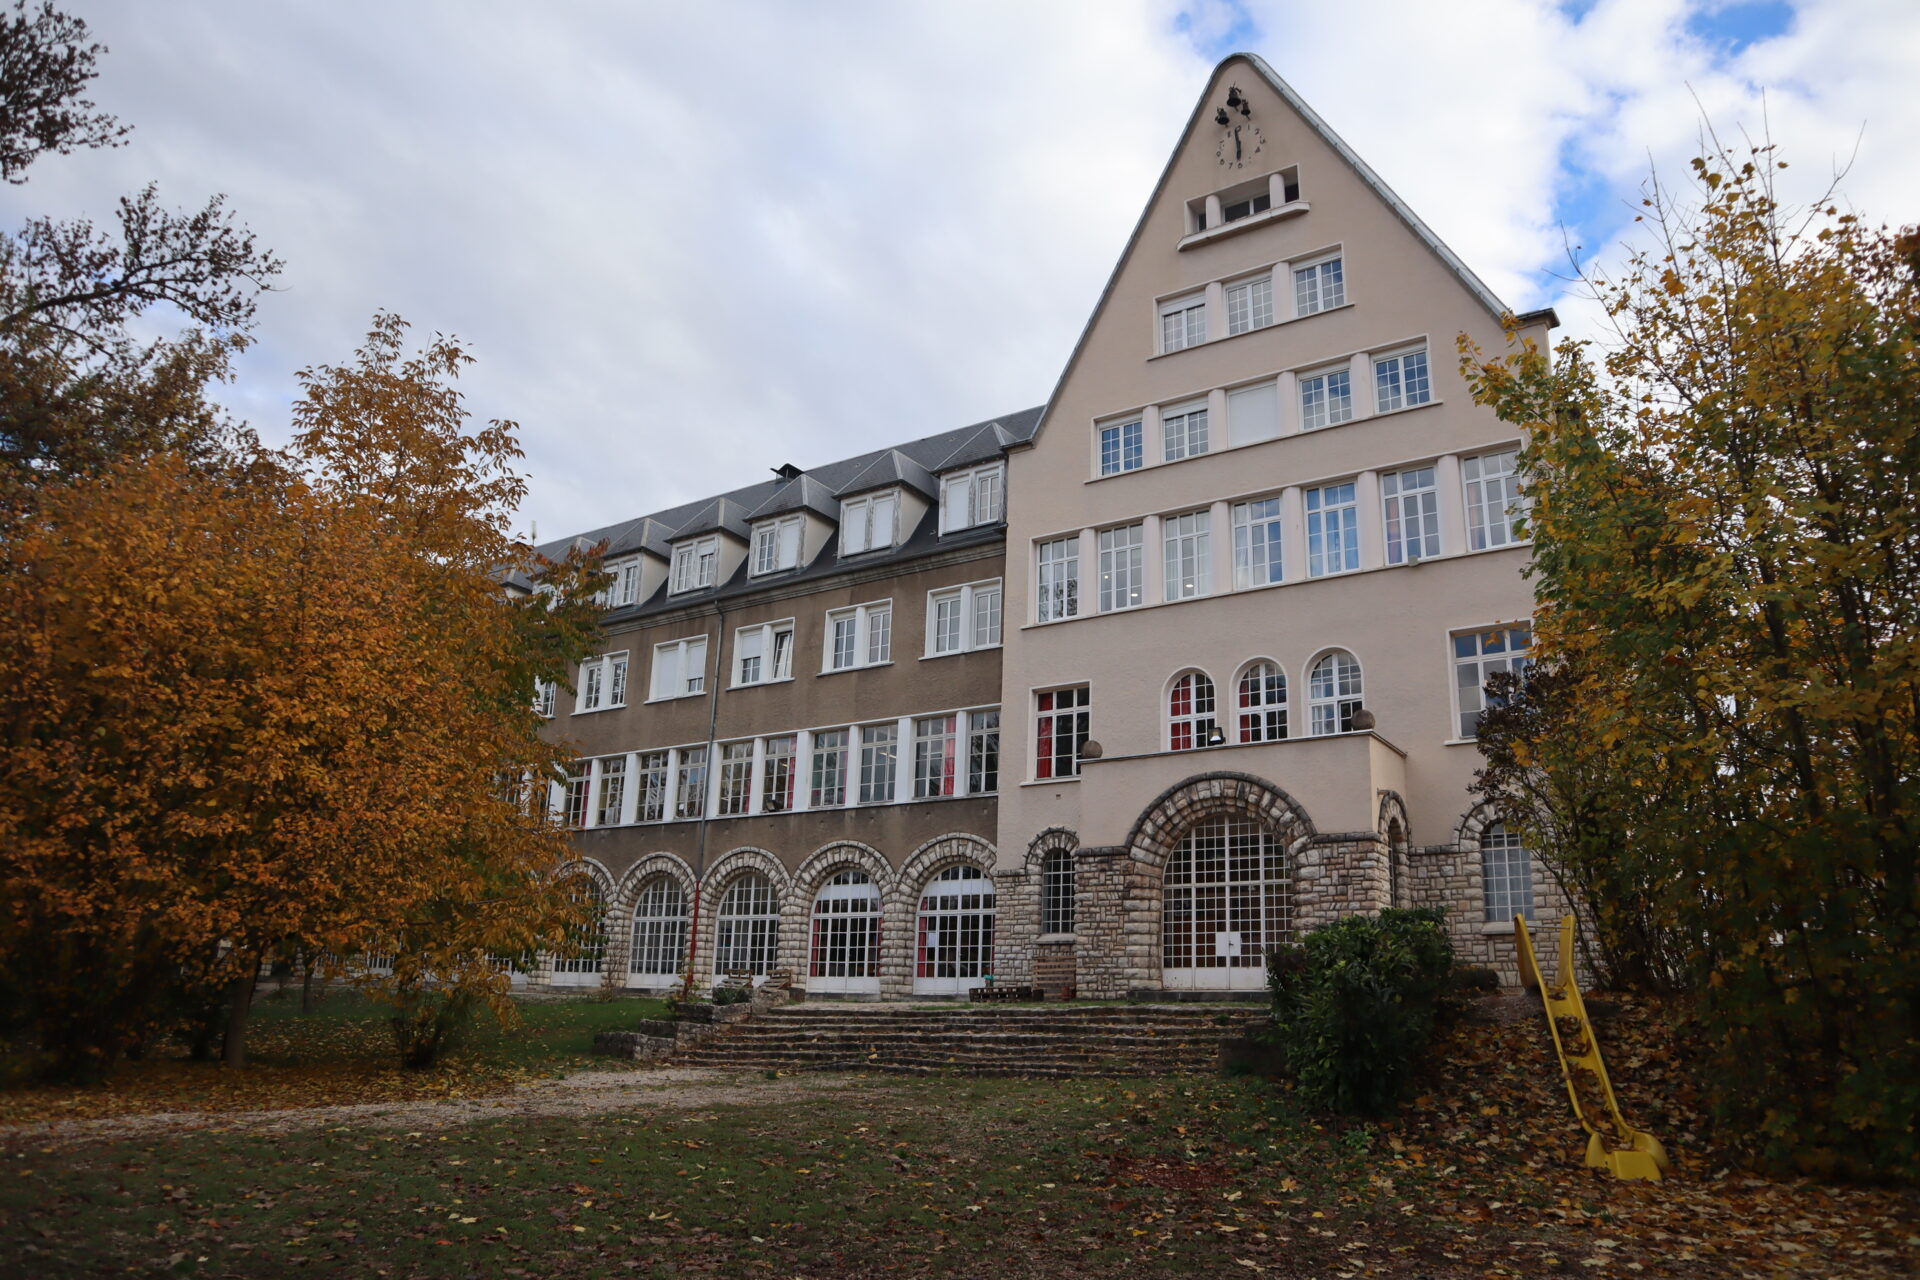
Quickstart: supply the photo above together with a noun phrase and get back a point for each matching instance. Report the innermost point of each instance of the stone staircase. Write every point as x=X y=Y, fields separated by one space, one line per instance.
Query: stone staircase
x=1060 y=1041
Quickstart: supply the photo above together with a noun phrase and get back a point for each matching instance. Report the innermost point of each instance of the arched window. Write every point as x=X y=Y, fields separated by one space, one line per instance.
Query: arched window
x=1056 y=891
x=1228 y=897
x=747 y=926
x=1263 y=703
x=1190 y=712
x=845 y=950
x=1333 y=693
x=659 y=928
x=1506 y=874
x=584 y=953
x=955 y=943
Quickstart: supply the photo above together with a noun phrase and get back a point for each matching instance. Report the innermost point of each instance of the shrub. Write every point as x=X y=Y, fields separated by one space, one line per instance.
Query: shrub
x=1469 y=978
x=1354 y=1005
x=727 y=994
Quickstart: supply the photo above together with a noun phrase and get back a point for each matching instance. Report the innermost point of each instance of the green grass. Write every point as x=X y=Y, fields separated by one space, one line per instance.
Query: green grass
x=346 y=1025
x=1076 y=1176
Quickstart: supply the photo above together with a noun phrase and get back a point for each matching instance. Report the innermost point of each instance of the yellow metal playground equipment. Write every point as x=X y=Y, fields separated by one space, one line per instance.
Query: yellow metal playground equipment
x=1612 y=1143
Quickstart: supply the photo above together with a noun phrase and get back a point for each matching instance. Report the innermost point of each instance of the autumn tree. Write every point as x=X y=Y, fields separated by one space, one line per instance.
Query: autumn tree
x=283 y=703
x=77 y=389
x=1727 y=566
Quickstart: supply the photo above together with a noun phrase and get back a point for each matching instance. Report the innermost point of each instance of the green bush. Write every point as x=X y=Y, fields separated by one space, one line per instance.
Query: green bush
x=1354 y=1006
x=728 y=994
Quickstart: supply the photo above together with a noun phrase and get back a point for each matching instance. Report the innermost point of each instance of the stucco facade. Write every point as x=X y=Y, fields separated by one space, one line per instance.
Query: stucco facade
x=1252 y=561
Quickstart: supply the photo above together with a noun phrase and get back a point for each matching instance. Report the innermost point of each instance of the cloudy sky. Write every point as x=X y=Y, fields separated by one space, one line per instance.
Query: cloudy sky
x=689 y=242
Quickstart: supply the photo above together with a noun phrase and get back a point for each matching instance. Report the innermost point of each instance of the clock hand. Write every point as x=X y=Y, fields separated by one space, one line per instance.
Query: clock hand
x=1236 y=142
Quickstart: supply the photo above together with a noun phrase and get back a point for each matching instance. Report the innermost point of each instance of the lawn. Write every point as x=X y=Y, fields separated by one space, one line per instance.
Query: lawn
x=342 y=1052
x=1478 y=1176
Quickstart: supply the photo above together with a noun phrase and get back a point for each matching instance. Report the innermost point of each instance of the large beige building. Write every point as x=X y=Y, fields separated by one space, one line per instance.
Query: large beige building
x=1109 y=696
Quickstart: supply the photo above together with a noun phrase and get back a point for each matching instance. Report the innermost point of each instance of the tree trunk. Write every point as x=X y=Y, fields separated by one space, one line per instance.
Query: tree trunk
x=234 y=1051
x=306 y=985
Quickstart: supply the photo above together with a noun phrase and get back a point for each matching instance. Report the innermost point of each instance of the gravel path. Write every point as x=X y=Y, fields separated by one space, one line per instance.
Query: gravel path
x=582 y=1094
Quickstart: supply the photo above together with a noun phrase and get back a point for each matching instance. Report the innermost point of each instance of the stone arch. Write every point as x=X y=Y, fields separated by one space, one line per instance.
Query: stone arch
x=620 y=907
x=1047 y=842
x=1394 y=828
x=901 y=901
x=1134 y=932
x=713 y=886
x=1166 y=821
x=591 y=867
x=1475 y=820
x=796 y=906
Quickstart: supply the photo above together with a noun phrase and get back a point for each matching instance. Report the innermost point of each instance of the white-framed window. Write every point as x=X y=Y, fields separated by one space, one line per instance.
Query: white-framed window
x=983 y=752
x=763 y=654
x=829 y=769
x=962 y=619
x=1250 y=304
x=859 y=637
x=1188 y=540
x=1326 y=399
x=776 y=545
x=655 y=776
x=1057 y=579
x=579 y=786
x=603 y=682
x=1061 y=730
x=679 y=668
x=1318 y=286
x=1183 y=323
x=1410 y=507
x=1184 y=433
x=1495 y=505
x=659 y=927
x=1333 y=693
x=625 y=587
x=546 y=698
x=1400 y=381
x=777 y=773
x=736 y=779
x=747 y=926
x=968 y=498
x=690 y=783
x=1122 y=448
x=1056 y=892
x=1122 y=567
x=1256 y=543
x=1506 y=874
x=869 y=523
x=1190 y=712
x=613 y=791
x=879 y=759
x=694 y=563
x=1480 y=655
x=936 y=760
x=1263 y=703
x=1333 y=529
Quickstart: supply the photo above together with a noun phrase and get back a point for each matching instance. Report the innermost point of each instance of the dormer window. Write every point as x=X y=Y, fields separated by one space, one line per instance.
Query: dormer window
x=776 y=545
x=694 y=563
x=625 y=587
x=969 y=498
x=869 y=523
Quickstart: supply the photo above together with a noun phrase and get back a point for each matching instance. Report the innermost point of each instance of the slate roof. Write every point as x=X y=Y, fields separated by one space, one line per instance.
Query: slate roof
x=915 y=464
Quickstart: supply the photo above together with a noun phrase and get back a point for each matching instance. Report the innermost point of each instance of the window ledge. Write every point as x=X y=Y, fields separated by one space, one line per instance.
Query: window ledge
x=1057 y=937
x=761 y=684
x=1497 y=927
x=675 y=697
x=1051 y=782
x=594 y=711
x=864 y=666
x=1291 y=209
x=959 y=653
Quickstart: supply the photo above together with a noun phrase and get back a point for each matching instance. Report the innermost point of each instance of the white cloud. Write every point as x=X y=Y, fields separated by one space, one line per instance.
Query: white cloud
x=690 y=242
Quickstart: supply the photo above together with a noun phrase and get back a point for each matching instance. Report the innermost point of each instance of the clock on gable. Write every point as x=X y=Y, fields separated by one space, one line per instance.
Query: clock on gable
x=1239 y=145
